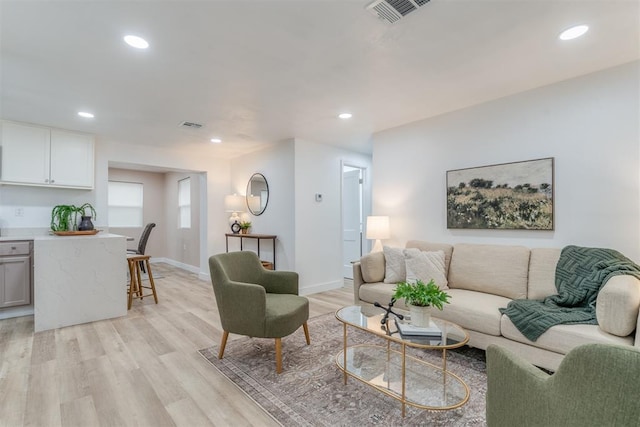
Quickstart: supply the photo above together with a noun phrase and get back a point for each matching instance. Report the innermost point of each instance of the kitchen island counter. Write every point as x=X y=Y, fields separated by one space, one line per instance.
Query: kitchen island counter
x=78 y=279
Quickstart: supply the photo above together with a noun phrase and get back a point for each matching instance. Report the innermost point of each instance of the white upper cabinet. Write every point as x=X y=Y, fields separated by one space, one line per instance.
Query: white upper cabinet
x=35 y=155
x=71 y=159
x=25 y=154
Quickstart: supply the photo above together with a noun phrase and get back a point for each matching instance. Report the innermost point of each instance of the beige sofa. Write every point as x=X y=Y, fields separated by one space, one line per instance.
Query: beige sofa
x=484 y=278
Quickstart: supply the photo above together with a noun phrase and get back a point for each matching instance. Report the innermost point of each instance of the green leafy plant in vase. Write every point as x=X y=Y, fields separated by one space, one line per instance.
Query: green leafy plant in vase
x=420 y=297
x=65 y=217
x=245 y=226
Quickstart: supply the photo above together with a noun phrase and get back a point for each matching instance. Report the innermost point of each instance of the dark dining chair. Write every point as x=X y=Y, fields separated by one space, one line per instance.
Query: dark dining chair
x=142 y=243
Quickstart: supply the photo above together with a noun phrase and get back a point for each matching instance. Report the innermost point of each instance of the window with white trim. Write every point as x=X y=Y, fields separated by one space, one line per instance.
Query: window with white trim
x=125 y=204
x=184 y=203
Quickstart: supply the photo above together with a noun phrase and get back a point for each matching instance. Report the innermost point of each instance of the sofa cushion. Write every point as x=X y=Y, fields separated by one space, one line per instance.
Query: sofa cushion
x=562 y=338
x=372 y=267
x=617 y=305
x=425 y=266
x=473 y=310
x=495 y=269
x=394 y=270
x=542 y=272
x=429 y=247
x=378 y=292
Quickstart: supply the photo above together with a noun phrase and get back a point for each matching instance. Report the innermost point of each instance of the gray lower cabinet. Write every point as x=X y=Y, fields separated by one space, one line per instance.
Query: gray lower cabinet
x=15 y=281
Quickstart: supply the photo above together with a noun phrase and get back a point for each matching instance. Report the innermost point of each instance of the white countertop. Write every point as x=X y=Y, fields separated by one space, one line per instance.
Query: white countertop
x=100 y=235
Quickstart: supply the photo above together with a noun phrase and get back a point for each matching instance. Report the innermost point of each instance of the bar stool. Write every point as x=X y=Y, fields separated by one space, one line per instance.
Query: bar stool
x=135 y=284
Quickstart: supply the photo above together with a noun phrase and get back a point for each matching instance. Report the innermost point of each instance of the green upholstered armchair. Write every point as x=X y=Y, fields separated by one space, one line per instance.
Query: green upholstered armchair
x=257 y=302
x=595 y=385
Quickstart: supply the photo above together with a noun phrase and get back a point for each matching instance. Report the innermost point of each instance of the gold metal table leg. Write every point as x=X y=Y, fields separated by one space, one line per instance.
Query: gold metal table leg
x=404 y=366
x=344 y=333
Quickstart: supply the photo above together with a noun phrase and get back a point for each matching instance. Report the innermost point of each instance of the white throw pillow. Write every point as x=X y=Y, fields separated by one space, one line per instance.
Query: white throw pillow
x=421 y=265
x=394 y=270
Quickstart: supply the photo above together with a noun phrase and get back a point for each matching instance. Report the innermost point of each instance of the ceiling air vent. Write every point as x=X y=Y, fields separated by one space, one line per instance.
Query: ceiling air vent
x=190 y=125
x=393 y=10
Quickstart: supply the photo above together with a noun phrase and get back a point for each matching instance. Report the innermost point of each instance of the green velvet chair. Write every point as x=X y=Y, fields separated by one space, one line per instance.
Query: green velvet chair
x=595 y=385
x=256 y=302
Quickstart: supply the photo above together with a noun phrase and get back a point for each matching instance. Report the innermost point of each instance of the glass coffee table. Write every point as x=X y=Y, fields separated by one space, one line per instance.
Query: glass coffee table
x=389 y=369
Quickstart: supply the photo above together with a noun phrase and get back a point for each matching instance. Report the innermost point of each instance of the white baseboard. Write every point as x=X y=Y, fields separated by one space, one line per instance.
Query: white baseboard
x=16 y=312
x=321 y=287
x=189 y=268
x=307 y=290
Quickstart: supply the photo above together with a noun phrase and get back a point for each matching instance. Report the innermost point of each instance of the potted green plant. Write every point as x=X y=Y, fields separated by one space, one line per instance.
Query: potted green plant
x=245 y=226
x=419 y=297
x=63 y=218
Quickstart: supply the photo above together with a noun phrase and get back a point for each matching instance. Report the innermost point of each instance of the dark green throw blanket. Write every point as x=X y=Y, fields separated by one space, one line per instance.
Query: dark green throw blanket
x=580 y=274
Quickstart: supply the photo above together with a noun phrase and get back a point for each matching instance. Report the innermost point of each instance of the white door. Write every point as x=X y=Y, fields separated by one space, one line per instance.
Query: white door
x=351 y=219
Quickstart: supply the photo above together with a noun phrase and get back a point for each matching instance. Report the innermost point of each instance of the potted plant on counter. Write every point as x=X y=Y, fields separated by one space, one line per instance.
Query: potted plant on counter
x=420 y=298
x=245 y=226
x=65 y=217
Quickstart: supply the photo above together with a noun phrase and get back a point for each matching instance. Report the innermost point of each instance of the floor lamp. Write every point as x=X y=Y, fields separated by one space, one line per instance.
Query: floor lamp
x=378 y=229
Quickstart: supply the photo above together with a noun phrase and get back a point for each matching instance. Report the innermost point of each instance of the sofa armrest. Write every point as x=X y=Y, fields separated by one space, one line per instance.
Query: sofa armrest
x=618 y=304
x=357 y=282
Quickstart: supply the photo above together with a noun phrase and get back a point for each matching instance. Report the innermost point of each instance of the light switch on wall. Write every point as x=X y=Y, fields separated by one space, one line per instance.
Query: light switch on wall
x=318 y=197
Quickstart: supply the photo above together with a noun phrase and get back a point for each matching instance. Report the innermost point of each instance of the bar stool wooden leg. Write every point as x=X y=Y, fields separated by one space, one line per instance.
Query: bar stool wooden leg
x=132 y=283
x=139 y=284
x=153 y=285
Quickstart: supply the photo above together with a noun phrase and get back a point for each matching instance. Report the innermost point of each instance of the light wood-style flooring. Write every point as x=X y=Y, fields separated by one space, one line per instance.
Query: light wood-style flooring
x=143 y=369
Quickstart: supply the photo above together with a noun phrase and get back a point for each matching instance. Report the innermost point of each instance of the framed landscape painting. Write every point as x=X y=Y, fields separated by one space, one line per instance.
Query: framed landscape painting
x=506 y=196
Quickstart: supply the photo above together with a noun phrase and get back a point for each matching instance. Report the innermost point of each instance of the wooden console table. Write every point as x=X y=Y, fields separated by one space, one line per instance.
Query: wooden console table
x=256 y=237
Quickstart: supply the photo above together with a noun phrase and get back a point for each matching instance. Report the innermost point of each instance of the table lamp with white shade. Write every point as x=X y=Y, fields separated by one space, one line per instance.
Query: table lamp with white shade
x=235 y=204
x=378 y=229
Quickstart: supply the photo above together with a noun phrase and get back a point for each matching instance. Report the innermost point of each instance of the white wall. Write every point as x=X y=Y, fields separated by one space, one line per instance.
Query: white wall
x=590 y=125
x=183 y=244
x=309 y=233
x=30 y=207
x=153 y=210
x=318 y=225
x=276 y=163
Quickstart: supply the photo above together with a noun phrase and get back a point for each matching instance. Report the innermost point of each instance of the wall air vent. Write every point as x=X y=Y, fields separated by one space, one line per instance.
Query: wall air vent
x=393 y=10
x=190 y=125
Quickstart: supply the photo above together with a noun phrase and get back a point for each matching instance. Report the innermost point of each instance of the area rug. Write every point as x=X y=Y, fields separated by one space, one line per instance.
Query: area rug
x=310 y=391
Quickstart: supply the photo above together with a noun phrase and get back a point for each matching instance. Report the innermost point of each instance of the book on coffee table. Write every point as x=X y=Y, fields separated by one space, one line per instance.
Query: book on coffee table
x=407 y=329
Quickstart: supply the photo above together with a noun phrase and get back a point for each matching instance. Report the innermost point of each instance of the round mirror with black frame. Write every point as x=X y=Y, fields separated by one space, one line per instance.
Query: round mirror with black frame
x=257 y=194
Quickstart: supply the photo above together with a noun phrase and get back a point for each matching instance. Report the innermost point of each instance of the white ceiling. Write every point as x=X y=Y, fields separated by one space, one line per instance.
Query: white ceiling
x=258 y=72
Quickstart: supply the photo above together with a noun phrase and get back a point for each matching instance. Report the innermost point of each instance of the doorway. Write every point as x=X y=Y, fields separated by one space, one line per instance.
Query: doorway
x=352 y=216
x=180 y=217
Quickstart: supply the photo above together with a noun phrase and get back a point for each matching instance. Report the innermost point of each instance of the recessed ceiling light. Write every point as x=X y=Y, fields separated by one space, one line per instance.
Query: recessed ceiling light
x=345 y=115
x=216 y=140
x=137 y=42
x=85 y=115
x=573 y=32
